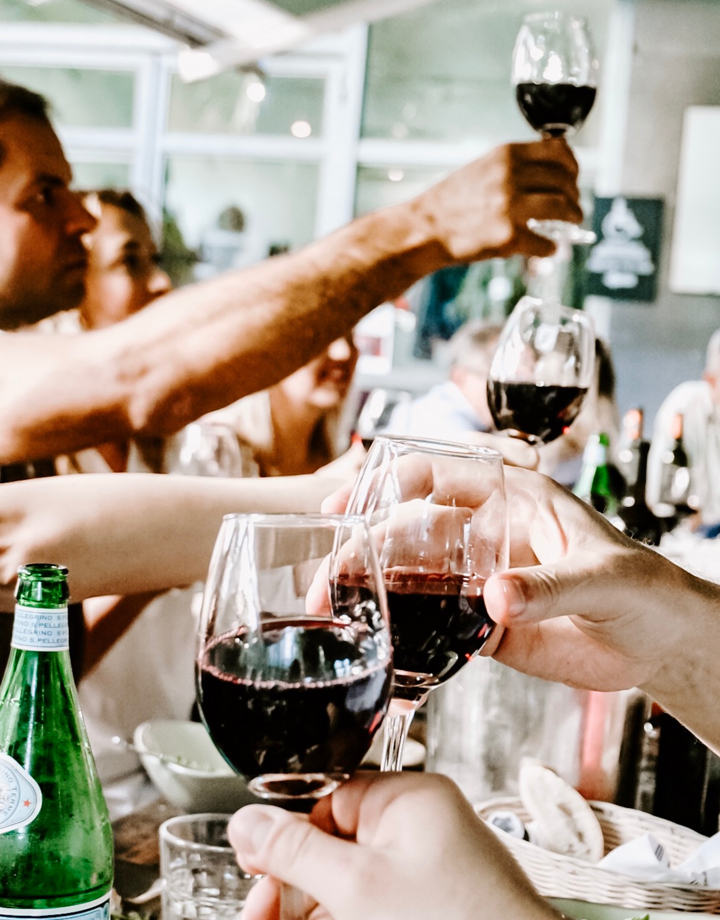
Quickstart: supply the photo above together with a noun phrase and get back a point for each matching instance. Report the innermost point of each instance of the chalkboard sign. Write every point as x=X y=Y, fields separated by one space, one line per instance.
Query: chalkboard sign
x=623 y=264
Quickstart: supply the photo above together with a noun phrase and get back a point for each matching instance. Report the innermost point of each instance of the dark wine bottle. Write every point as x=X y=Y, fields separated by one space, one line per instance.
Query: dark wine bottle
x=676 y=477
x=634 y=512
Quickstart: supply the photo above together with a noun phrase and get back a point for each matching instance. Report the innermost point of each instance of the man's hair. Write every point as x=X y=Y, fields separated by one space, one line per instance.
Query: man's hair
x=474 y=343
x=122 y=199
x=712 y=358
x=17 y=100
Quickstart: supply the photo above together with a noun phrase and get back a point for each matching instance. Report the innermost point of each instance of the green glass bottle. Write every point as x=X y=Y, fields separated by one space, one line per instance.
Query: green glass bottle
x=56 y=850
x=595 y=484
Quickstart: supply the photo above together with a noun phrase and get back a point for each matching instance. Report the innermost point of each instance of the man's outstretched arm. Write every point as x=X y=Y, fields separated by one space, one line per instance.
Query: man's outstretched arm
x=201 y=347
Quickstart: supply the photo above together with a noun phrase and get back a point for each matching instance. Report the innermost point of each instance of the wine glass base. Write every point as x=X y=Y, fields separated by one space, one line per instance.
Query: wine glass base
x=560 y=231
x=292 y=786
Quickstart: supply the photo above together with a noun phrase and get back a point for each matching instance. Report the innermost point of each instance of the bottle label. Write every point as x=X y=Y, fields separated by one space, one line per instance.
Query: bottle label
x=38 y=630
x=20 y=796
x=93 y=910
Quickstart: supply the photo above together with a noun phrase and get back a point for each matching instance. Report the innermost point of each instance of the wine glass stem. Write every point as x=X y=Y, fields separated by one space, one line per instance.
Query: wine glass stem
x=395 y=732
x=292 y=903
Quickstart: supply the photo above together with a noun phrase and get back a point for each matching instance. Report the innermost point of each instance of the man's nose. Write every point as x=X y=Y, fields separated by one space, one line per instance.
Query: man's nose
x=159 y=283
x=340 y=350
x=78 y=220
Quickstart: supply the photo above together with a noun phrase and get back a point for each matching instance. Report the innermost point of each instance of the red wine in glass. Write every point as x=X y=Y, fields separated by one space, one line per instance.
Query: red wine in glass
x=555 y=109
x=534 y=412
x=319 y=718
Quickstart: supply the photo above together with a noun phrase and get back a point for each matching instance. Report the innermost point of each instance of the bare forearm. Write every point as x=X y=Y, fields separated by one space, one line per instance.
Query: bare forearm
x=132 y=533
x=202 y=347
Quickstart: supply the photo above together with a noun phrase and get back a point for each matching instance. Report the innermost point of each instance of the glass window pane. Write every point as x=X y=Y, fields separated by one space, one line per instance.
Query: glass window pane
x=54 y=11
x=442 y=73
x=235 y=103
x=231 y=211
x=81 y=98
x=87 y=176
x=377 y=188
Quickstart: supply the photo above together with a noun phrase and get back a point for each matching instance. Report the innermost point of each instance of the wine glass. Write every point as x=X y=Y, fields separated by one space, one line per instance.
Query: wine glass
x=379 y=408
x=555 y=74
x=205 y=448
x=541 y=370
x=440 y=509
x=294 y=662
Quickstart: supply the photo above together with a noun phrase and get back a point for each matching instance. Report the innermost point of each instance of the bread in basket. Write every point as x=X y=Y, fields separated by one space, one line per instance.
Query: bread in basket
x=557 y=876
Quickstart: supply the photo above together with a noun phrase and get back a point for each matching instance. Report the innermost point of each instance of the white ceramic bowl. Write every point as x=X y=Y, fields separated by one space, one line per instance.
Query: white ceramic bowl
x=201 y=781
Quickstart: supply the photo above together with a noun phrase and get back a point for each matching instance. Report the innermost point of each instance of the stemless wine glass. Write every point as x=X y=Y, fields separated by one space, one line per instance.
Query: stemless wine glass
x=294 y=663
x=541 y=370
x=555 y=74
x=440 y=511
x=205 y=448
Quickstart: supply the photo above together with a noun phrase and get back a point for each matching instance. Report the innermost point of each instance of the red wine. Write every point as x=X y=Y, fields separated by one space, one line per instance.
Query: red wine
x=438 y=624
x=538 y=413
x=555 y=108
x=317 y=716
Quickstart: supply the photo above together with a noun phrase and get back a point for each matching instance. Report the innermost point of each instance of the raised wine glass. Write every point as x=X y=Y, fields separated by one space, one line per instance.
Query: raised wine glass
x=555 y=75
x=441 y=510
x=541 y=370
x=294 y=662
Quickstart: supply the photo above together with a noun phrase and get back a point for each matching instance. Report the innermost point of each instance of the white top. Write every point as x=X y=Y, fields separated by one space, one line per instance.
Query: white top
x=443 y=412
x=701 y=439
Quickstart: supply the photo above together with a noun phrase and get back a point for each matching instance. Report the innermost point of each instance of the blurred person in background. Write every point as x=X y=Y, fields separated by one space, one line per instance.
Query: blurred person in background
x=697 y=402
x=458 y=406
x=294 y=427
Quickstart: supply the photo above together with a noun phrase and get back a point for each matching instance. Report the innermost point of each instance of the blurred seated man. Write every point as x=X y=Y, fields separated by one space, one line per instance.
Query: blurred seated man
x=458 y=406
x=698 y=402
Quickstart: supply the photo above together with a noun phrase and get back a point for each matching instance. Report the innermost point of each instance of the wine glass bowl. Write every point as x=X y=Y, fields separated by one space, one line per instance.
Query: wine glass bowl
x=541 y=370
x=555 y=75
x=294 y=663
x=440 y=511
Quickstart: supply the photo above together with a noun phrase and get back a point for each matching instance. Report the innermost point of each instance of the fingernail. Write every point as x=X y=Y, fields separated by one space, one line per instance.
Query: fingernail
x=251 y=825
x=514 y=597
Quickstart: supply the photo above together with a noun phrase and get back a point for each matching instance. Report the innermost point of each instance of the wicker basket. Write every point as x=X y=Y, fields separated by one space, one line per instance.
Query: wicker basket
x=557 y=876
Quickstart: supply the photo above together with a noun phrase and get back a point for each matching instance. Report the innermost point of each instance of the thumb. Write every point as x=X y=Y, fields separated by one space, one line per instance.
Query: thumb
x=528 y=595
x=270 y=840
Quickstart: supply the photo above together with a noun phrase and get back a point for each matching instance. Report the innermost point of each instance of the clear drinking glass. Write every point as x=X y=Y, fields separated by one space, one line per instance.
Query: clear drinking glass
x=541 y=370
x=555 y=75
x=441 y=512
x=199 y=869
x=205 y=448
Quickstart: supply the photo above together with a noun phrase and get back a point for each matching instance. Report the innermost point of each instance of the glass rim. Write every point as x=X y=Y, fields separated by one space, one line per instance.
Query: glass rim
x=527 y=301
x=165 y=831
x=296 y=519
x=444 y=448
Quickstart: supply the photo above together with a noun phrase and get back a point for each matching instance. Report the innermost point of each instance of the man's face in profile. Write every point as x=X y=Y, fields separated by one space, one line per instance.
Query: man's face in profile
x=42 y=258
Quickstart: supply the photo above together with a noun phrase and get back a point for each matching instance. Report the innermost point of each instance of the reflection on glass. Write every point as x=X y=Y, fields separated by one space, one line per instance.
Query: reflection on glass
x=81 y=98
x=440 y=73
x=232 y=211
x=241 y=103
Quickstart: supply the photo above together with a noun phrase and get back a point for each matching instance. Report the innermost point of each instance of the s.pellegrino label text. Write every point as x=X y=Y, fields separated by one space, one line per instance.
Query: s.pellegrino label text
x=40 y=630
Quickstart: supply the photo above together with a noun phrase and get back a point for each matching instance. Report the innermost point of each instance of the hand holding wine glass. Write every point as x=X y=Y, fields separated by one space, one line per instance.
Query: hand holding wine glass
x=438 y=512
x=555 y=74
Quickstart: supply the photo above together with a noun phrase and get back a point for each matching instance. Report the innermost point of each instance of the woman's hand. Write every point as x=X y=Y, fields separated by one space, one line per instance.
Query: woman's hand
x=384 y=847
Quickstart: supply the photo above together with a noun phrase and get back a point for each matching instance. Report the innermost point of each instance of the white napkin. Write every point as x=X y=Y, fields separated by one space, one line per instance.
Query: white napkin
x=645 y=858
